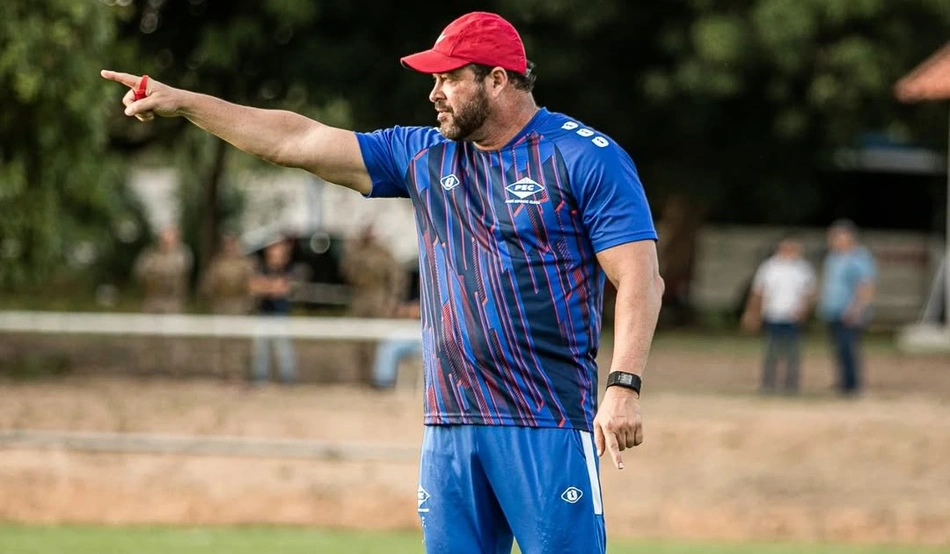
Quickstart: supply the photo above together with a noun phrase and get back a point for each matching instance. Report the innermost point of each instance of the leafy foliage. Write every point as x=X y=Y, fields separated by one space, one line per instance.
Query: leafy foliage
x=740 y=104
x=60 y=199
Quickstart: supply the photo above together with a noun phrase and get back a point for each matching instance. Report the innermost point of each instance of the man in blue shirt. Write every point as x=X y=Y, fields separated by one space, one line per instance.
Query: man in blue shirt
x=846 y=294
x=521 y=213
x=271 y=287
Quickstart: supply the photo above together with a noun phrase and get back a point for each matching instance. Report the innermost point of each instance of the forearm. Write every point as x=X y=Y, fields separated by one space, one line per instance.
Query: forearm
x=753 y=306
x=259 y=132
x=639 y=299
x=862 y=299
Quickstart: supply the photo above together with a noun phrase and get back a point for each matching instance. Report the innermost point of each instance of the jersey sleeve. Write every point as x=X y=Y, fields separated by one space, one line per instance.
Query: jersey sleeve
x=610 y=196
x=387 y=154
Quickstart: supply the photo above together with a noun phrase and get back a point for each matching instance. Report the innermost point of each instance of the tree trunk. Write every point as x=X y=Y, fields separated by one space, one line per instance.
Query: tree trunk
x=210 y=223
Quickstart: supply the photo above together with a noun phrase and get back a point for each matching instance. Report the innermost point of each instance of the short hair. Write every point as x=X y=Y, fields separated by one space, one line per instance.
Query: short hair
x=844 y=224
x=794 y=236
x=521 y=82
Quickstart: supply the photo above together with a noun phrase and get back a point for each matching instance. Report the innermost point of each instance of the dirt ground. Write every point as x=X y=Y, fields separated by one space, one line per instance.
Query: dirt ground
x=719 y=461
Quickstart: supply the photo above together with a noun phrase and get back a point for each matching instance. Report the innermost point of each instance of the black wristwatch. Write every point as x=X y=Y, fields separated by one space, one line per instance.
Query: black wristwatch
x=623 y=379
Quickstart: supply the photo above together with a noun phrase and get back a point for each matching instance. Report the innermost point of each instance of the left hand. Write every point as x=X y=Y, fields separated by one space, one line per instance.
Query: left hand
x=618 y=424
x=852 y=316
x=750 y=322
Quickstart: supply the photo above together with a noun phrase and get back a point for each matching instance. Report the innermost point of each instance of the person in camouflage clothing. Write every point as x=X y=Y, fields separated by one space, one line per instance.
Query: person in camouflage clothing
x=226 y=283
x=378 y=282
x=162 y=271
x=226 y=287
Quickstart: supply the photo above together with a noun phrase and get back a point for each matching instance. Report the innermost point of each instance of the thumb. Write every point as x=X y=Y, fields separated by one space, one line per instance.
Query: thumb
x=141 y=108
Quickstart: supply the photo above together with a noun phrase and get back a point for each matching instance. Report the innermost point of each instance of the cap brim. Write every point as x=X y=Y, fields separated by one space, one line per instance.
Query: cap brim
x=430 y=61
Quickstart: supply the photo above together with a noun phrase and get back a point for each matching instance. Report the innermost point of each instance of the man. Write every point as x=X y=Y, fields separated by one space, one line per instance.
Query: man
x=520 y=213
x=163 y=272
x=378 y=282
x=226 y=283
x=226 y=287
x=271 y=287
x=783 y=291
x=390 y=352
x=846 y=294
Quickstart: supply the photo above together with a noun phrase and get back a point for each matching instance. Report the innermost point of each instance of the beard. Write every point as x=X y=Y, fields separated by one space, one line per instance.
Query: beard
x=465 y=123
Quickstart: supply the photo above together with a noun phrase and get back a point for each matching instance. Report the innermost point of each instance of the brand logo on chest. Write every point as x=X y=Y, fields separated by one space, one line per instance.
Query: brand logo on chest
x=524 y=191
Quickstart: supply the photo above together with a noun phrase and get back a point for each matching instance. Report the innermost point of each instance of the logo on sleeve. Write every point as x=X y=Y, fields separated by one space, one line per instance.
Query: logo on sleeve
x=586 y=133
x=450 y=181
x=525 y=191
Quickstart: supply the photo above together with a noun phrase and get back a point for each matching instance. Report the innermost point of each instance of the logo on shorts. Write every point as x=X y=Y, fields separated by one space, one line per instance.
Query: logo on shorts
x=570 y=495
x=423 y=496
x=525 y=191
x=450 y=181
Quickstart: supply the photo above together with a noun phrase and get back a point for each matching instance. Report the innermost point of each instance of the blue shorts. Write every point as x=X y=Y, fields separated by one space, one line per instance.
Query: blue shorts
x=482 y=486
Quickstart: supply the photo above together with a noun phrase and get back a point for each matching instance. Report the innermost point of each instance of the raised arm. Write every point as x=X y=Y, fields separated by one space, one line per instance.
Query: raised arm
x=277 y=136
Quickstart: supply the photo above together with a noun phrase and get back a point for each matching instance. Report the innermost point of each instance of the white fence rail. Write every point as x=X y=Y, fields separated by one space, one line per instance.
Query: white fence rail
x=175 y=325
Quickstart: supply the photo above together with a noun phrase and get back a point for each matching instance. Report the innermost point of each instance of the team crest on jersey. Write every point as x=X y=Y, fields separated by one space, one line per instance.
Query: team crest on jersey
x=524 y=191
x=450 y=181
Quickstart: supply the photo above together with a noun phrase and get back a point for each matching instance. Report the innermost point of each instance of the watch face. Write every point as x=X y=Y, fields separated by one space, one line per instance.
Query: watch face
x=625 y=379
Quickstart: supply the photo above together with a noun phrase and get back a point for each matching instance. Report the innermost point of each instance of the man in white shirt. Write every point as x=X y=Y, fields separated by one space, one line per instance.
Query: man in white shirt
x=782 y=295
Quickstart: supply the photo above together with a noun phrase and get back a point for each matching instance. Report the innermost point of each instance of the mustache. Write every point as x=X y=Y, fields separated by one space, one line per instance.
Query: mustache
x=442 y=107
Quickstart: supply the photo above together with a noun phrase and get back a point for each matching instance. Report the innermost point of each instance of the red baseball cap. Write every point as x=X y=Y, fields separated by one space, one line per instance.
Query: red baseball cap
x=477 y=37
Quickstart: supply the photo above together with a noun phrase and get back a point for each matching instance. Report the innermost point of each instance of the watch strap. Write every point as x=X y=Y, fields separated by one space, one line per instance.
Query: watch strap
x=625 y=380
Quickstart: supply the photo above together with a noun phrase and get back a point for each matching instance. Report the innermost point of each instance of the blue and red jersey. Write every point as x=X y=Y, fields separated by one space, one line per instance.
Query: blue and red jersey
x=511 y=291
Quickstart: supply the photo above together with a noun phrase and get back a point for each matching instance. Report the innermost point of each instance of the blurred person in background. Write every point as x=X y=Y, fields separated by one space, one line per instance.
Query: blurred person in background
x=781 y=299
x=271 y=288
x=378 y=283
x=226 y=287
x=163 y=271
x=226 y=282
x=847 y=290
x=391 y=352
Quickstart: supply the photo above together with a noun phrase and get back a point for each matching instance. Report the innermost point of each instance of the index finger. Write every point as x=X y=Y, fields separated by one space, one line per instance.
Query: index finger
x=614 y=448
x=126 y=79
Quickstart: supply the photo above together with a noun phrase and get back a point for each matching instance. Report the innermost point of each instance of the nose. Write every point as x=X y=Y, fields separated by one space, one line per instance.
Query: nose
x=436 y=93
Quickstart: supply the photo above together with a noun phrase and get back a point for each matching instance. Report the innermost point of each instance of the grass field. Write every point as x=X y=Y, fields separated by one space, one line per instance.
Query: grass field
x=255 y=540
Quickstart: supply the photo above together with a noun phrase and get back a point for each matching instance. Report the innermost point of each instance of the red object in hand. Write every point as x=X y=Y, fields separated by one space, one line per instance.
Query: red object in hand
x=140 y=91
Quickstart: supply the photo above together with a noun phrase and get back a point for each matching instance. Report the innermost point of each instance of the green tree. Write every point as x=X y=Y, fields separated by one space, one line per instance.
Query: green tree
x=244 y=51
x=60 y=194
x=738 y=104
x=757 y=95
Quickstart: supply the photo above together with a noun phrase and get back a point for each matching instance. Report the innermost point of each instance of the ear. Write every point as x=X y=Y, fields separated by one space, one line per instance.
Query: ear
x=497 y=80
